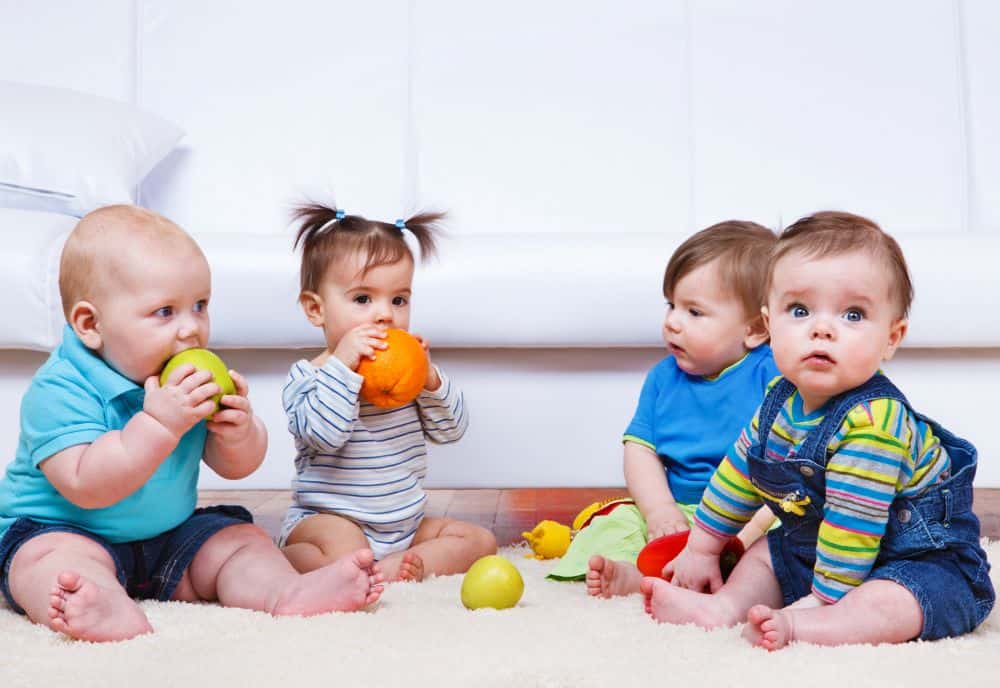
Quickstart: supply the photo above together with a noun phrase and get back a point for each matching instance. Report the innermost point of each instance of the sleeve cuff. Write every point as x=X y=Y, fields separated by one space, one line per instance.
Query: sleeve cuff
x=70 y=439
x=336 y=369
x=638 y=440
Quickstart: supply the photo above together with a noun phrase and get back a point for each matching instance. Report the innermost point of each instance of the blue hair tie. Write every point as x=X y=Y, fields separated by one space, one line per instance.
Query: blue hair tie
x=401 y=224
x=339 y=214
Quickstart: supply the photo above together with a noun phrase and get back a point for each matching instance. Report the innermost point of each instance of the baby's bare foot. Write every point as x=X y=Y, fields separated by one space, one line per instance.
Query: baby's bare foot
x=348 y=584
x=80 y=608
x=768 y=628
x=671 y=604
x=607 y=578
x=411 y=568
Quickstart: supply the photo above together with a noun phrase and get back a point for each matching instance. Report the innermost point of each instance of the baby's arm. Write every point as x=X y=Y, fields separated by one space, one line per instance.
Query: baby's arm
x=237 y=440
x=119 y=462
x=647 y=483
x=442 y=411
x=322 y=403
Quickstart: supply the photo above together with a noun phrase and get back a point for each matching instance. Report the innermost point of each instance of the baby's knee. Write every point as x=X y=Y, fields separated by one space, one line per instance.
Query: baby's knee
x=483 y=540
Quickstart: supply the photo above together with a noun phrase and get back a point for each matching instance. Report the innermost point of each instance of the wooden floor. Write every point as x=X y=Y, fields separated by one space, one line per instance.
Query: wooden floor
x=510 y=512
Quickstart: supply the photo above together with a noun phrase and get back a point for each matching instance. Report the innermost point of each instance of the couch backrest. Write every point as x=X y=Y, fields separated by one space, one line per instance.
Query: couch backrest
x=562 y=132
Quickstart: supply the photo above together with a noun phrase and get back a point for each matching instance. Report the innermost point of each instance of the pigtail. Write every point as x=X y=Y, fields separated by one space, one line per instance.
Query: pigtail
x=425 y=228
x=314 y=218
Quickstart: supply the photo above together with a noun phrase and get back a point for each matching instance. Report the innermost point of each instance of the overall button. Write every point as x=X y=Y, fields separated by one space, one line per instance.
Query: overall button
x=903 y=515
x=807 y=471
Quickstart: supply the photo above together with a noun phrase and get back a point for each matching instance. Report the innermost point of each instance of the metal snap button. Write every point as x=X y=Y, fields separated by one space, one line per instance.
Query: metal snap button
x=807 y=471
x=903 y=515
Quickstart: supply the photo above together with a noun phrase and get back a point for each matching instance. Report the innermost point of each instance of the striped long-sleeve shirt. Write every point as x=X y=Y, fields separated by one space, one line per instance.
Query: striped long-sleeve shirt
x=880 y=451
x=361 y=461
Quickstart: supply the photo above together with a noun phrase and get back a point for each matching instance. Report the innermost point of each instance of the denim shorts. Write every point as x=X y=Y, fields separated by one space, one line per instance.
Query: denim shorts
x=147 y=569
x=931 y=548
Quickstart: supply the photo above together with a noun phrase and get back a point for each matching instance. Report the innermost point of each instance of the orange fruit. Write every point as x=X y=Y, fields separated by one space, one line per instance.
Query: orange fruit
x=397 y=374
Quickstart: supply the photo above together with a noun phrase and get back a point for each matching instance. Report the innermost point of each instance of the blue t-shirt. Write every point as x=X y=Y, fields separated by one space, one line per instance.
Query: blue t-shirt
x=690 y=421
x=74 y=398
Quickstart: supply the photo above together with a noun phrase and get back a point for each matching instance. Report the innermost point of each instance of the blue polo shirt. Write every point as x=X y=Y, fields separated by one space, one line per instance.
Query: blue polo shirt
x=691 y=421
x=74 y=398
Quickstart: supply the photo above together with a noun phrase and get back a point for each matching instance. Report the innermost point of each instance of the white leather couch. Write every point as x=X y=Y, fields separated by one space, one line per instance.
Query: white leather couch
x=575 y=145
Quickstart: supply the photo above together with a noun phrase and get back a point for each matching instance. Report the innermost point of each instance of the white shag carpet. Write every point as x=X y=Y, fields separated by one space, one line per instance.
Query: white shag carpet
x=420 y=634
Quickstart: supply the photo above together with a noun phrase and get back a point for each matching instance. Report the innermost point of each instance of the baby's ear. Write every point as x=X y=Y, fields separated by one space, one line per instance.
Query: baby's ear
x=756 y=331
x=897 y=330
x=312 y=306
x=83 y=318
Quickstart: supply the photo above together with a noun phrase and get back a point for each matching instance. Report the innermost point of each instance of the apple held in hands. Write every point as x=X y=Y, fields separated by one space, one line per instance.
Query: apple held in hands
x=203 y=359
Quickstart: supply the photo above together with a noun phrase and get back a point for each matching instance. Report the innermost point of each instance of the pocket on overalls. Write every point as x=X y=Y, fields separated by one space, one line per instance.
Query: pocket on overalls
x=791 y=501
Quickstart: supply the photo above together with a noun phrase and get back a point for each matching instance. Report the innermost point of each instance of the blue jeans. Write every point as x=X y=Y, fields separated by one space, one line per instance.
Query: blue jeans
x=147 y=569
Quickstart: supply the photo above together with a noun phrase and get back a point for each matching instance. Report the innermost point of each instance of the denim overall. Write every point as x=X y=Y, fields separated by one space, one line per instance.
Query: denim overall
x=931 y=544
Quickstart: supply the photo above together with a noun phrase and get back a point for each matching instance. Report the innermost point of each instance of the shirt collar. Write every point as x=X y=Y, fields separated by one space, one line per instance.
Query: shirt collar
x=108 y=381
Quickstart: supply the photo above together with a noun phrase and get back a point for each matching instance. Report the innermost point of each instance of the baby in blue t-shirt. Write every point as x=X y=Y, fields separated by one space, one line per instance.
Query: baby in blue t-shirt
x=693 y=403
x=99 y=505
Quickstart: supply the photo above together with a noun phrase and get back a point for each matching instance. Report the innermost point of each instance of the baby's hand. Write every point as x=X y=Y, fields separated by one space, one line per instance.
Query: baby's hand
x=666 y=520
x=433 y=379
x=231 y=423
x=360 y=342
x=694 y=570
x=183 y=401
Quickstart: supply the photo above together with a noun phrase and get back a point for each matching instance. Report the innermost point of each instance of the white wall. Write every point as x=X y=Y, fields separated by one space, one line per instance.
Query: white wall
x=561 y=117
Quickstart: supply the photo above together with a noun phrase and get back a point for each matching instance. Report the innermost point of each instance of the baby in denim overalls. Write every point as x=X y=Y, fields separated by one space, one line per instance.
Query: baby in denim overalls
x=878 y=541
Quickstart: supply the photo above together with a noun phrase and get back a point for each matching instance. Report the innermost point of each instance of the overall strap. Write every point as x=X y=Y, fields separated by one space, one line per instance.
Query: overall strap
x=770 y=408
x=878 y=386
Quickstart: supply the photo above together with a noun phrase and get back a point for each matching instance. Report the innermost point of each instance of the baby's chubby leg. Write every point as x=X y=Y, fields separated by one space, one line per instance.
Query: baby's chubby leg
x=69 y=583
x=240 y=567
x=322 y=539
x=752 y=582
x=877 y=611
x=441 y=546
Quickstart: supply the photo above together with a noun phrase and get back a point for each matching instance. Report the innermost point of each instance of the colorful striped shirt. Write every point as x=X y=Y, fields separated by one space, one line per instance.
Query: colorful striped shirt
x=881 y=450
x=361 y=461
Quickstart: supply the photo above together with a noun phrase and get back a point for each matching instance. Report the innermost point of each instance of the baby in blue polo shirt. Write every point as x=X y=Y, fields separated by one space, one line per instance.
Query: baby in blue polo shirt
x=98 y=506
x=693 y=403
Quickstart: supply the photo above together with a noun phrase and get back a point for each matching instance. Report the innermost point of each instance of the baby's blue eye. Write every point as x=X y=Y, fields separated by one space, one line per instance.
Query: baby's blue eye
x=670 y=305
x=362 y=298
x=695 y=312
x=201 y=306
x=798 y=311
x=854 y=315
x=399 y=301
x=164 y=312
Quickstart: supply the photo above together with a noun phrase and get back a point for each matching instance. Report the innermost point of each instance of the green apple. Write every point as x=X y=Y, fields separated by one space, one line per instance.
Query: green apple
x=203 y=359
x=492 y=581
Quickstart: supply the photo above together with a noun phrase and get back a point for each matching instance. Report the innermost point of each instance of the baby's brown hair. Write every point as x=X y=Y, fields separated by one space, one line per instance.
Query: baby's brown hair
x=833 y=233
x=328 y=235
x=742 y=249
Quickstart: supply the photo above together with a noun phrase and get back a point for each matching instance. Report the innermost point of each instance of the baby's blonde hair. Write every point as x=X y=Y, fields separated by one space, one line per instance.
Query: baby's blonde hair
x=89 y=263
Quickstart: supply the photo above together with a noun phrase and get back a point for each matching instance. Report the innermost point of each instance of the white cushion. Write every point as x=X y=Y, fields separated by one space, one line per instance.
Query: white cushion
x=29 y=287
x=564 y=290
x=70 y=152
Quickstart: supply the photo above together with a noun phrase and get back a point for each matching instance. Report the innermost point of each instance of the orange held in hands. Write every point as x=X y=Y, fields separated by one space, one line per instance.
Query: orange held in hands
x=397 y=374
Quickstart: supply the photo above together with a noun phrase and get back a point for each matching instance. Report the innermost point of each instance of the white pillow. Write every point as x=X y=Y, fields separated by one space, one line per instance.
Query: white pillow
x=69 y=152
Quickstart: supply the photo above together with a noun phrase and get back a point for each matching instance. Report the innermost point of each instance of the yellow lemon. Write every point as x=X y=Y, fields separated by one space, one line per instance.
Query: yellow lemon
x=492 y=581
x=203 y=359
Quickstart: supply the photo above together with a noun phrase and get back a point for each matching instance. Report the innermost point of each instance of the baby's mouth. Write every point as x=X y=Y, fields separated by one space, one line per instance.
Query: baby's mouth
x=674 y=349
x=819 y=359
